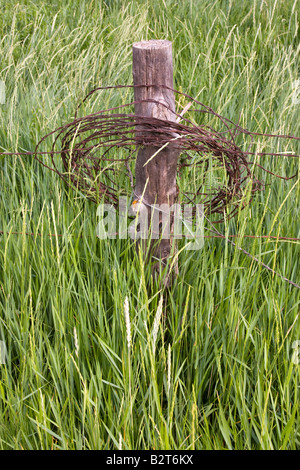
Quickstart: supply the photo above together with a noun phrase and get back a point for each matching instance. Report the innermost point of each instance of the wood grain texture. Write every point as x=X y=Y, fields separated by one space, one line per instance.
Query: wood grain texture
x=153 y=67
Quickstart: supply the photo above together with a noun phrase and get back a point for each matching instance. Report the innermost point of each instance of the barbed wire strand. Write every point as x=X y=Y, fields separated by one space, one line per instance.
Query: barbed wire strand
x=87 y=142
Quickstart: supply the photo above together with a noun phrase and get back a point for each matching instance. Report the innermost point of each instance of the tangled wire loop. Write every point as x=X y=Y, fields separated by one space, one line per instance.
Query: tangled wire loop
x=97 y=150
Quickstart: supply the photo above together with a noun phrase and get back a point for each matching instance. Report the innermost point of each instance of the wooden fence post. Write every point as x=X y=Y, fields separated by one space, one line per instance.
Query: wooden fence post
x=153 y=65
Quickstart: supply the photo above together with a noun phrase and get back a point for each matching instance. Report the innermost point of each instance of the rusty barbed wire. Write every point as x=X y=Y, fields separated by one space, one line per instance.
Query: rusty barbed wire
x=95 y=149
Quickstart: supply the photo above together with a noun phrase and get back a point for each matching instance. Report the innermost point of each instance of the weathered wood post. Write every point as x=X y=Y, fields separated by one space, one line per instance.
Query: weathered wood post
x=156 y=180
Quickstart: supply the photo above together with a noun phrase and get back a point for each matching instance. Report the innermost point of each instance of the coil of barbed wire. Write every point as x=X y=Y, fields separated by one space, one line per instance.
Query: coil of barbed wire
x=96 y=152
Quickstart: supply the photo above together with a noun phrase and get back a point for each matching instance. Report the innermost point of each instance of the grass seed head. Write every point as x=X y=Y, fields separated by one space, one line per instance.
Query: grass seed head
x=157 y=321
x=127 y=322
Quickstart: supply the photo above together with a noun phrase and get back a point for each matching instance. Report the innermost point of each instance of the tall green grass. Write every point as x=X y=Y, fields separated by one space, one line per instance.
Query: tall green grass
x=223 y=373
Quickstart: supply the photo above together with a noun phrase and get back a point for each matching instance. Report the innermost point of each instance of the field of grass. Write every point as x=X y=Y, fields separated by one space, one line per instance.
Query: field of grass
x=223 y=372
